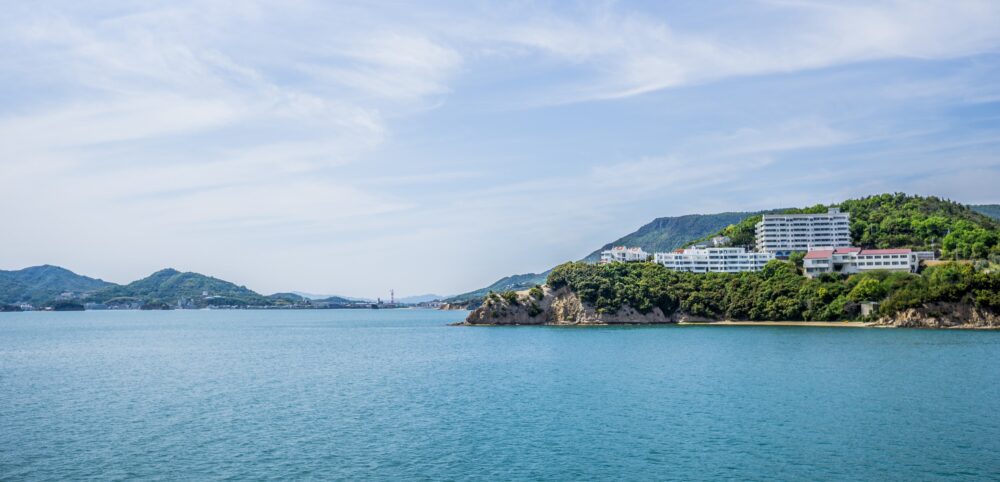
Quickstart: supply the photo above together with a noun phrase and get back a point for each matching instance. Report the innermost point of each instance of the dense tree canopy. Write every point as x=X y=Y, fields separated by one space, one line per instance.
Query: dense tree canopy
x=902 y=221
x=776 y=293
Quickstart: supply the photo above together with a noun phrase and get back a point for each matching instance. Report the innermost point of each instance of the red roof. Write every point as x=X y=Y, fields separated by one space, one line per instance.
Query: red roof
x=846 y=250
x=868 y=252
x=819 y=254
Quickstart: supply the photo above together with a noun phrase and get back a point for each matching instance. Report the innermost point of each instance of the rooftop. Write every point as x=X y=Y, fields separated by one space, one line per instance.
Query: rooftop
x=868 y=252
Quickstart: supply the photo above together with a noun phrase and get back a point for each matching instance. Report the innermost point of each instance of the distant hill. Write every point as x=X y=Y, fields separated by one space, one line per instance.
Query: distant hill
x=329 y=298
x=903 y=221
x=508 y=283
x=419 y=299
x=171 y=287
x=662 y=234
x=991 y=210
x=39 y=284
x=670 y=233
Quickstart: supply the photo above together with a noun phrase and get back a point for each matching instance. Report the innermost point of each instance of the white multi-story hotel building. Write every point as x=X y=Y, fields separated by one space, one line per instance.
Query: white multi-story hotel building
x=716 y=260
x=856 y=260
x=782 y=234
x=622 y=254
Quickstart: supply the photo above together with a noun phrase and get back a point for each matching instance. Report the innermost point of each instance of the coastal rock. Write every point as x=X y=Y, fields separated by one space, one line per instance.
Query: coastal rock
x=559 y=307
x=942 y=315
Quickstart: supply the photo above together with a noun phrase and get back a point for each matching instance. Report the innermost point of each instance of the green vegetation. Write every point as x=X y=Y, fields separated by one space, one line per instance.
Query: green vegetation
x=670 y=233
x=743 y=233
x=171 y=287
x=40 y=284
x=662 y=234
x=901 y=221
x=65 y=305
x=536 y=292
x=991 y=210
x=777 y=293
x=509 y=283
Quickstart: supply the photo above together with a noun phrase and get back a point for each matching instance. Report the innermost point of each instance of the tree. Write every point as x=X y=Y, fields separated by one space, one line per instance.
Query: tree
x=868 y=289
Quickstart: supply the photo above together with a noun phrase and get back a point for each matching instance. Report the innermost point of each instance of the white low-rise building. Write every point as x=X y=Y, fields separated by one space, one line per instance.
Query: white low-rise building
x=782 y=234
x=715 y=260
x=855 y=260
x=622 y=254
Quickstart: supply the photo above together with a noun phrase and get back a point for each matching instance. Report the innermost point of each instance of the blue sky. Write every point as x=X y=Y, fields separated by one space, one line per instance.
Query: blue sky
x=354 y=147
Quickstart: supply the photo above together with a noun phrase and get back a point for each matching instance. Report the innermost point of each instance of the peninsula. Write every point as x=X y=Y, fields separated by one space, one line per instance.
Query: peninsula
x=888 y=260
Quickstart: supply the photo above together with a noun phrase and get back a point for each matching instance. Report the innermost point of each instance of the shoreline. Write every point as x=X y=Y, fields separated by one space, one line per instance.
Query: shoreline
x=837 y=324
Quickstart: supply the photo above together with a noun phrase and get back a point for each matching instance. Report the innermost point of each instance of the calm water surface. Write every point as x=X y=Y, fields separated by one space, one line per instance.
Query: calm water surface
x=352 y=394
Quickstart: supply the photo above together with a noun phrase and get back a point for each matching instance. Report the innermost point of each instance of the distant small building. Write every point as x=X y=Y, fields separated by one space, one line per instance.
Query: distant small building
x=869 y=308
x=720 y=241
x=852 y=260
x=714 y=260
x=622 y=254
x=925 y=255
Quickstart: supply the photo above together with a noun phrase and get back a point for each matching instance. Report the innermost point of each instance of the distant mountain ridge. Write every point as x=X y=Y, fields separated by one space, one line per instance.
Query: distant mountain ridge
x=173 y=287
x=507 y=283
x=670 y=233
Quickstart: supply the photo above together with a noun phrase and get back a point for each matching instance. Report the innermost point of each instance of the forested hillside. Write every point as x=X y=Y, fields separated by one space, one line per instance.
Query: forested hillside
x=38 y=284
x=777 y=293
x=170 y=286
x=669 y=233
x=902 y=221
x=991 y=210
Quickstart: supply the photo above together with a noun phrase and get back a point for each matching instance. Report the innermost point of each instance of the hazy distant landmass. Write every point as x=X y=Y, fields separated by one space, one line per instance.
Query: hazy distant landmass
x=39 y=284
x=991 y=210
x=62 y=289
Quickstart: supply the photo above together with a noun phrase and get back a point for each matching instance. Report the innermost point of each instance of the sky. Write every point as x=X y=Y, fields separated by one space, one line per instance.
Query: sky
x=356 y=147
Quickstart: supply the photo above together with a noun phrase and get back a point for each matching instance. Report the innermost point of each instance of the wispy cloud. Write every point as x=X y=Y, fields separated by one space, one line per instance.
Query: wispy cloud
x=627 y=53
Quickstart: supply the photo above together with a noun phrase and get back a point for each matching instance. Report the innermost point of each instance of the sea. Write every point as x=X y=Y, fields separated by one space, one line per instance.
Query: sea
x=401 y=395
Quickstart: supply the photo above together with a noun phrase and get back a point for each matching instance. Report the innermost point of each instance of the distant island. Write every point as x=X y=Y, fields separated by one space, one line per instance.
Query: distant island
x=956 y=284
x=58 y=289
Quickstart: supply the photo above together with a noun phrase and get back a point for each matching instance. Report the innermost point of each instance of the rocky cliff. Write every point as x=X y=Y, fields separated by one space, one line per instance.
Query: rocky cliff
x=942 y=315
x=559 y=307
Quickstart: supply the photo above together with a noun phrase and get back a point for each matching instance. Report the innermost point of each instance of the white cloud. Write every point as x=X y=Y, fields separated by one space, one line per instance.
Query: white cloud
x=629 y=53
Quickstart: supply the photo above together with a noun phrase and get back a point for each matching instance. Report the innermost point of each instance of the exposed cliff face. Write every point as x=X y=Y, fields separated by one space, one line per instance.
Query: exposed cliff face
x=943 y=315
x=560 y=307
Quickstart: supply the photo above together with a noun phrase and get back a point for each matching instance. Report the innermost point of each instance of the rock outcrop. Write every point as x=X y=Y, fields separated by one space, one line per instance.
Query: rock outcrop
x=559 y=307
x=942 y=315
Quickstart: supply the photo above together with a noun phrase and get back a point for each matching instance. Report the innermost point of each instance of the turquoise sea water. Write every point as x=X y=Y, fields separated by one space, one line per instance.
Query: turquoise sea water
x=352 y=394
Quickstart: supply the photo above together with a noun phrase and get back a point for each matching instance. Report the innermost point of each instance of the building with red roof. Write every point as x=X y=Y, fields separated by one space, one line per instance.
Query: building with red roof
x=850 y=260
